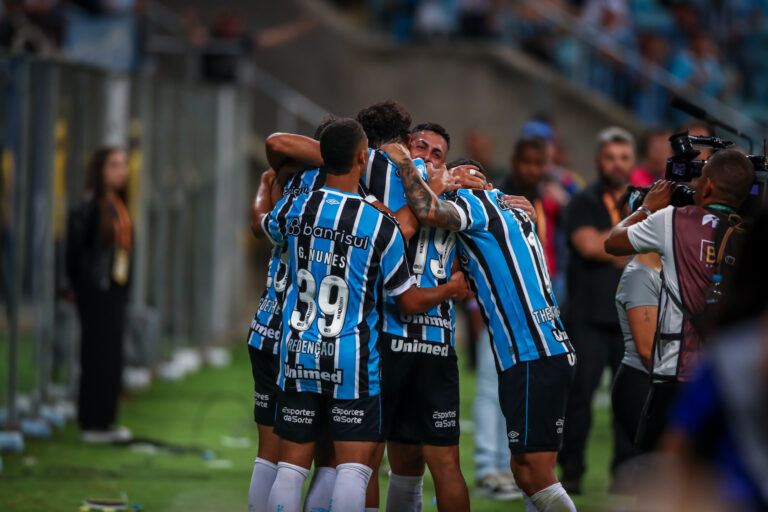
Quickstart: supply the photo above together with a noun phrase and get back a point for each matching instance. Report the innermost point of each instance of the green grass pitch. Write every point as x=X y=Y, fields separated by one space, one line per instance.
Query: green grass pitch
x=211 y=410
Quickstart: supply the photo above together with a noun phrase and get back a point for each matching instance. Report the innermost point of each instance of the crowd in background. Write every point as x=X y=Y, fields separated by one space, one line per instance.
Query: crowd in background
x=713 y=47
x=104 y=33
x=115 y=35
x=632 y=51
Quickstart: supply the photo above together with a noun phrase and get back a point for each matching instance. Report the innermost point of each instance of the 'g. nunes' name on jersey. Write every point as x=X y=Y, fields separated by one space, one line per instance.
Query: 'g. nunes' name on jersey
x=342 y=253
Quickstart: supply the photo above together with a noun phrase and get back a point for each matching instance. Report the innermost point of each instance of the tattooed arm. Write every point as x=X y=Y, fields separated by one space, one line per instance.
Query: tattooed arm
x=428 y=208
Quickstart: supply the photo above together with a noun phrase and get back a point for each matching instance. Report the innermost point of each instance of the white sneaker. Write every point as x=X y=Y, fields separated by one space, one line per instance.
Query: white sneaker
x=115 y=434
x=498 y=487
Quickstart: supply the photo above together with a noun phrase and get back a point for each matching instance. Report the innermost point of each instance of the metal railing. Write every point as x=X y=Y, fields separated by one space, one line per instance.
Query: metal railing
x=187 y=146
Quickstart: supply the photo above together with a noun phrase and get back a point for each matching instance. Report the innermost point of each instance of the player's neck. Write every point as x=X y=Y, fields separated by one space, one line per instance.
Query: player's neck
x=343 y=182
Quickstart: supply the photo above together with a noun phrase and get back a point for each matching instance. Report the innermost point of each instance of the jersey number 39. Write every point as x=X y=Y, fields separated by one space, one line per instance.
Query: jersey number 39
x=332 y=298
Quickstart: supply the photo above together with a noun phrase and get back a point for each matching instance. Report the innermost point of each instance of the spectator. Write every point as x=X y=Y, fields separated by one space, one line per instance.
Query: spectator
x=655 y=150
x=686 y=22
x=698 y=67
x=227 y=53
x=593 y=276
x=475 y=18
x=556 y=188
x=435 y=18
x=526 y=166
x=637 y=304
x=99 y=242
x=609 y=23
x=650 y=99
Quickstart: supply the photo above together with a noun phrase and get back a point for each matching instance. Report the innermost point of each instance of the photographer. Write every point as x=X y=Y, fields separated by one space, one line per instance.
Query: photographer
x=691 y=241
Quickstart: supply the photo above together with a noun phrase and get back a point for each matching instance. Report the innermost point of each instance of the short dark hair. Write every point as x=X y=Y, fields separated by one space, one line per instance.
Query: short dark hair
x=465 y=161
x=732 y=174
x=387 y=121
x=534 y=142
x=324 y=122
x=434 y=127
x=338 y=145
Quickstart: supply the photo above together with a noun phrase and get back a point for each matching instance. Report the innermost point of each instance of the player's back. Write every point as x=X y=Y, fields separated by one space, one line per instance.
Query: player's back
x=266 y=327
x=499 y=249
x=336 y=242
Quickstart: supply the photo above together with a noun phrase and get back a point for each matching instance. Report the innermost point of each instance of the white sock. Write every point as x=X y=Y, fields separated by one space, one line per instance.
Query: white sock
x=320 y=490
x=351 y=484
x=529 y=506
x=285 y=495
x=404 y=493
x=263 y=476
x=553 y=499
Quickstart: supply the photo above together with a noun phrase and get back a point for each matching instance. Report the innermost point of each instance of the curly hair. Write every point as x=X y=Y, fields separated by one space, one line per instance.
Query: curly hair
x=383 y=122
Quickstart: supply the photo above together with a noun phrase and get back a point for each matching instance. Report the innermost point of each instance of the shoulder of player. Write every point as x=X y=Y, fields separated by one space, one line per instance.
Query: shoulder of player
x=418 y=162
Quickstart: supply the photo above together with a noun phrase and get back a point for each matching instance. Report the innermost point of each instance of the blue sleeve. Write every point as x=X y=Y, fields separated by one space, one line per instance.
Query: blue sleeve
x=394 y=266
x=274 y=224
x=470 y=210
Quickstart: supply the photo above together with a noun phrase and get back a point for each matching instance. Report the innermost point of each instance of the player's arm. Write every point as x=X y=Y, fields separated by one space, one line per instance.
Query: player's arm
x=428 y=208
x=417 y=300
x=642 y=325
x=617 y=242
x=263 y=202
x=440 y=181
x=289 y=153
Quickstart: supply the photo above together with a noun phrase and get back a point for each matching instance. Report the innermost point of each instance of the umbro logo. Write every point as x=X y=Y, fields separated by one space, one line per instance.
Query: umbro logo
x=513 y=436
x=332 y=201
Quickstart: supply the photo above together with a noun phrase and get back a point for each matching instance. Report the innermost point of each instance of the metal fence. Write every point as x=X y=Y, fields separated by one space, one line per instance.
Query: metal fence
x=189 y=191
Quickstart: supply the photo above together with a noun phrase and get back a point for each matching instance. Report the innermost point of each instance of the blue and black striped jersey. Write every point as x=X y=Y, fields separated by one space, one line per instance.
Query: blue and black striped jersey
x=430 y=255
x=267 y=324
x=343 y=254
x=499 y=250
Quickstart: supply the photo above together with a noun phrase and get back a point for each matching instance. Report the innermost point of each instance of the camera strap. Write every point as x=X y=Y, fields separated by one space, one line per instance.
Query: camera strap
x=613 y=210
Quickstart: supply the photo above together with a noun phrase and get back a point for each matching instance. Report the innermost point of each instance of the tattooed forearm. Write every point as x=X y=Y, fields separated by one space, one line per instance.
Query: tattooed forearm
x=427 y=207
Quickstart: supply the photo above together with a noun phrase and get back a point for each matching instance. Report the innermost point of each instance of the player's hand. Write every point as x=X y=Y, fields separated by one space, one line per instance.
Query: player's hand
x=441 y=180
x=521 y=203
x=461 y=286
x=468 y=176
x=659 y=196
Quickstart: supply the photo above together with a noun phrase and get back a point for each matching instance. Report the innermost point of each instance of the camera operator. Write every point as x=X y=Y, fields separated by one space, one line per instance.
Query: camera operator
x=691 y=241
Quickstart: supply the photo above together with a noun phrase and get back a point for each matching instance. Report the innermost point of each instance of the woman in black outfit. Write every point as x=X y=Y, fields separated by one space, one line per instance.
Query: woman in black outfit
x=99 y=240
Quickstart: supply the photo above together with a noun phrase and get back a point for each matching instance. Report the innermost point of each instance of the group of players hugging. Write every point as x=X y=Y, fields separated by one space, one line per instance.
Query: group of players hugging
x=352 y=347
